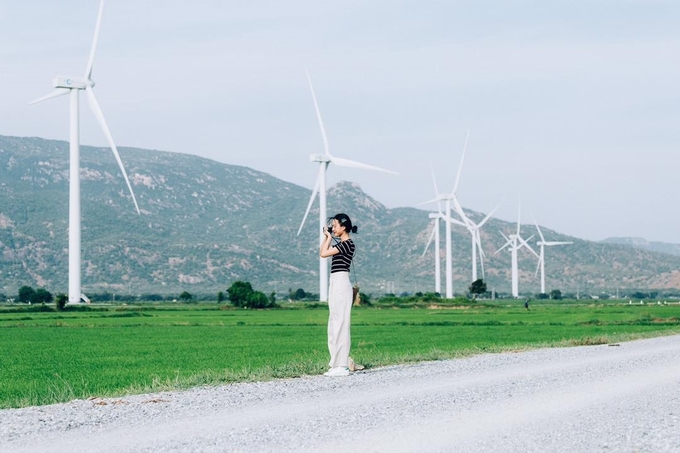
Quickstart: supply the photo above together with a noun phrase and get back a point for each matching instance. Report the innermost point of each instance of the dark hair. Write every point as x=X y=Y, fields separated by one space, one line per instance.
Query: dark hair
x=346 y=222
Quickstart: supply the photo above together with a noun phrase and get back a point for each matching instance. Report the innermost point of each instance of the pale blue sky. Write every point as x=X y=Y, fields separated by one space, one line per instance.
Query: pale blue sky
x=574 y=104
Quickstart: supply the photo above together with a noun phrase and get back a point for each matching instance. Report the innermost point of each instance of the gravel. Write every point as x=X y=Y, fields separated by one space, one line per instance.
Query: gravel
x=605 y=398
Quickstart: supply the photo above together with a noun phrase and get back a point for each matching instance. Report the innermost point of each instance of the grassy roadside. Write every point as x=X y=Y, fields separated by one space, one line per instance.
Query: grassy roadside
x=50 y=357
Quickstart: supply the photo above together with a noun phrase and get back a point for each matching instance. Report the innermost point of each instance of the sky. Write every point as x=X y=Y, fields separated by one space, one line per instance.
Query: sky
x=572 y=106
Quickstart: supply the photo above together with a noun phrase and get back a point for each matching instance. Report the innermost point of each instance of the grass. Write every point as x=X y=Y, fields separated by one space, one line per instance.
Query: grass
x=50 y=357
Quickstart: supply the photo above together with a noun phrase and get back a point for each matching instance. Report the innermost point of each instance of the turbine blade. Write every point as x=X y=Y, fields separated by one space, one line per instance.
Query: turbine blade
x=93 y=49
x=354 y=164
x=318 y=115
x=488 y=216
x=427 y=246
x=450 y=219
x=537 y=227
x=481 y=257
x=94 y=105
x=460 y=165
x=525 y=244
x=508 y=242
x=436 y=191
x=54 y=94
x=434 y=200
x=478 y=239
x=557 y=243
x=519 y=212
x=538 y=267
x=459 y=209
x=309 y=205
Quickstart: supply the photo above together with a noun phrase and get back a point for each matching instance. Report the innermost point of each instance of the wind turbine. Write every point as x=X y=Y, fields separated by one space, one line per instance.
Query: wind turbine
x=436 y=216
x=516 y=242
x=446 y=216
x=472 y=227
x=72 y=86
x=541 y=259
x=324 y=161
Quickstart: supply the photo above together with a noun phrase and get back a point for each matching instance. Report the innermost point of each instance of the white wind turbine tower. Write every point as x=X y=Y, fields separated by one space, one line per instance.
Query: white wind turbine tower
x=324 y=160
x=437 y=265
x=516 y=242
x=72 y=86
x=541 y=259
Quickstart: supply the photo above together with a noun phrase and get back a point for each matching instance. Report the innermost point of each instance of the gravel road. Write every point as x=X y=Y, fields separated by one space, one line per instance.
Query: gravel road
x=606 y=398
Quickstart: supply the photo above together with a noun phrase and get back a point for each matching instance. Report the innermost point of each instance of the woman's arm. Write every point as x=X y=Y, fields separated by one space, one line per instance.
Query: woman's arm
x=326 y=250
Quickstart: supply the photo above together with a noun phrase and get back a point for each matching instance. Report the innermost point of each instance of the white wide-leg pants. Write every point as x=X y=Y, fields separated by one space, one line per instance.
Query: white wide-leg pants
x=339 y=307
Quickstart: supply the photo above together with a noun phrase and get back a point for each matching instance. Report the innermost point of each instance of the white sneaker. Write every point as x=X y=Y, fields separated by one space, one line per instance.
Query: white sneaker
x=337 y=371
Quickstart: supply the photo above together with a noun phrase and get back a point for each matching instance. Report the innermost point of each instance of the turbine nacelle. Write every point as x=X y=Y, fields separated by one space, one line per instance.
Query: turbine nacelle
x=78 y=83
x=319 y=158
x=440 y=197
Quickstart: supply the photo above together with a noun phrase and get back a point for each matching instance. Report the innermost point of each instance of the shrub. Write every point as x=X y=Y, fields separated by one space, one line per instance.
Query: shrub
x=239 y=292
x=257 y=299
x=25 y=294
x=41 y=296
x=365 y=299
x=299 y=294
x=61 y=301
x=185 y=296
x=556 y=294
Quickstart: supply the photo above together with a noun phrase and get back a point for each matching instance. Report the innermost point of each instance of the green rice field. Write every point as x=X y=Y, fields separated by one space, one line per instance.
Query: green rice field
x=49 y=357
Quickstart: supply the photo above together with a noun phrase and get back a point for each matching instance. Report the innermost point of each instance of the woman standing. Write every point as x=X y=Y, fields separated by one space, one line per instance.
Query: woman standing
x=339 y=292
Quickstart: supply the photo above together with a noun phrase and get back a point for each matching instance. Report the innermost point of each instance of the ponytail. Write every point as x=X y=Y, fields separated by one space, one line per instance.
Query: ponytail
x=346 y=222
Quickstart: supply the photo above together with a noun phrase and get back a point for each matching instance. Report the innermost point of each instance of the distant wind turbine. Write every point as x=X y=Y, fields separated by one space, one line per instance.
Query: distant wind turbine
x=471 y=226
x=541 y=259
x=439 y=215
x=516 y=242
x=324 y=160
x=448 y=198
x=72 y=86
x=474 y=228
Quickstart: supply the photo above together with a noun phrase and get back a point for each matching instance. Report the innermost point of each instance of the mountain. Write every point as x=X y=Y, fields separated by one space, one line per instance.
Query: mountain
x=643 y=244
x=206 y=224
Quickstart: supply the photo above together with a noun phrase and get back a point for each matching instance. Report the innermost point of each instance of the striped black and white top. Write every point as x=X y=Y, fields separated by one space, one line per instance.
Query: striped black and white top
x=342 y=260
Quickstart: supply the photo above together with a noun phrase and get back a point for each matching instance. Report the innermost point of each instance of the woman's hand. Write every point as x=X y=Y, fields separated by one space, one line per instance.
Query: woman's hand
x=326 y=250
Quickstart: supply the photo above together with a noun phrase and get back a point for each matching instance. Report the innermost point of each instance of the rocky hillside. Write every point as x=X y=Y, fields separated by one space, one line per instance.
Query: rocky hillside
x=205 y=224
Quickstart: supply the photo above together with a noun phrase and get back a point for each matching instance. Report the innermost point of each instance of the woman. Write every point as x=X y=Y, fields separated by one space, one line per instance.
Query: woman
x=339 y=292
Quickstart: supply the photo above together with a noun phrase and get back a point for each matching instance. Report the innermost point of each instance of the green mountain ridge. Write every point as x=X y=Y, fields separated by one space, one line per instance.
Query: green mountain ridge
x=206 y=224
